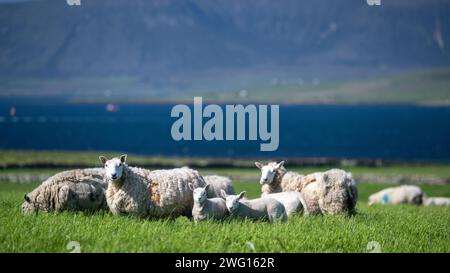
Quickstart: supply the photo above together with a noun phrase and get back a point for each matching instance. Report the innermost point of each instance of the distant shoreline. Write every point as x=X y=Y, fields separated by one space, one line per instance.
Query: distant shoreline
x=44 y=100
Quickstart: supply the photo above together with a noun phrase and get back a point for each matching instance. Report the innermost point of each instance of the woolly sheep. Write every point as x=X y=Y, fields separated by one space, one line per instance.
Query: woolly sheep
x=436 y=201
x=207 y=208
x=330 y=192
x=292 y=201
x=73 y=190
x=264 y=208
x=218 y=183
x=145 y=193
x=405 y=194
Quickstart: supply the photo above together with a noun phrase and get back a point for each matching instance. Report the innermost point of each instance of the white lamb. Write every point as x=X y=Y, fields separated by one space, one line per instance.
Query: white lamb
x=292 y=201
x=405 y=194
x=257 y=209
x=207 y=208
x=145 y=193
x=436 y=201
x=218 y=183
x=74 y=190
x=330 y=192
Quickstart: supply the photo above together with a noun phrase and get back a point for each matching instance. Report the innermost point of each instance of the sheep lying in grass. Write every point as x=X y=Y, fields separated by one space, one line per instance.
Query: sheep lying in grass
x=329 y=192
x=257 y=209
x=292 y=201
x=436 y=201
x=145 y=193
x=405 y=194
x=207 y=208
x=218 y=183
x=74 y=190
x=338 y=192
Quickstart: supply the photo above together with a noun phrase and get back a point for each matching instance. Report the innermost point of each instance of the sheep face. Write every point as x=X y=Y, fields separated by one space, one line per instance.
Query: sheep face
x=268 y=171
x=199 y=193
x=232 y=201
x=114 y=167
x=28 y=206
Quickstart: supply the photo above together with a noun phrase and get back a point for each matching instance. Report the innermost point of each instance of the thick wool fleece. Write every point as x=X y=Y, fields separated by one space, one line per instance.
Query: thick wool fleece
x=159 y=193
x=74 y=190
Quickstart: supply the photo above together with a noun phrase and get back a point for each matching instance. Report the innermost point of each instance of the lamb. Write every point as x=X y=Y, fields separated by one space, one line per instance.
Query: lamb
x=330 y=192
x=207 y=208
x=218 y=183
x=436 y=201
x=264 y=208
x=73 y=190
x=292 y=201
x=405 y=194
x=146 y=194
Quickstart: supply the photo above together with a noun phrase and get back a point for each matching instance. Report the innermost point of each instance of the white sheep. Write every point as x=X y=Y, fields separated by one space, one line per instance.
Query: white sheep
x=145 y=193
x=330 y=192
x=292 y=201
x=207 y=208
x=73 y=190
x=436 y=201
x=405 y=194
x=264 y=208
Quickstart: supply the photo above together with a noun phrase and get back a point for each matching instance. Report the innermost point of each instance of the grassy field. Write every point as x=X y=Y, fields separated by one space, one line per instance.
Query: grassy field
x=75 y=158
x=407 y=87
x=392 y=228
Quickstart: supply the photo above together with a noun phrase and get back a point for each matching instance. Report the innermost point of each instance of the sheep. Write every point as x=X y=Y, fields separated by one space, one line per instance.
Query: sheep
x=436 y=201
x=218 y=183
x=405 y=194
x=207 y=208
x=292 y=201
x=146 y=194
x=338 y=192
x=330 y=192
x=264 y=208
x=73 y=190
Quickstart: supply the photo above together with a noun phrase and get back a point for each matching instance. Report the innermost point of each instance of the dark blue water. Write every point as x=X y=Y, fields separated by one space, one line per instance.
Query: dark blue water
x=387 y=132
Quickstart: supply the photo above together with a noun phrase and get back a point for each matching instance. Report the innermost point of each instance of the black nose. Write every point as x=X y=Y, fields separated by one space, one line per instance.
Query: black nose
x=114 y=175
x=265 y=179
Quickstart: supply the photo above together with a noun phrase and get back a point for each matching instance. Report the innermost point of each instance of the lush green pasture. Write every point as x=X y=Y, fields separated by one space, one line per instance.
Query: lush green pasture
x=391 y=228
x=76 y=158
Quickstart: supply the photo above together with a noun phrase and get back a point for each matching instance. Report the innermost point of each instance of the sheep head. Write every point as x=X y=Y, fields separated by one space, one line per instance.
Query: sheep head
x=114 y=167
x=232 y=201
x=268 y=171
x=28 y=206
x=199 y=193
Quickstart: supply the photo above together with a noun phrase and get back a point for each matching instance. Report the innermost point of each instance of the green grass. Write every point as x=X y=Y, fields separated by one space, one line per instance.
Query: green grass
x=396 y=228
x=429 y=86
x=75 y=158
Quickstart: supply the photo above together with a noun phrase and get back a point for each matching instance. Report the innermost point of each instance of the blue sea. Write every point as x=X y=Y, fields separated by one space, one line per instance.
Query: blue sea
x=392 y=132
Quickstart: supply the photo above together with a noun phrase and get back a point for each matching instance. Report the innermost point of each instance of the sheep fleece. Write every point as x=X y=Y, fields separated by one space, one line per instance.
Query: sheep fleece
x=218 y=183
x=330 y=192
x=73 y=190
x=158 y=193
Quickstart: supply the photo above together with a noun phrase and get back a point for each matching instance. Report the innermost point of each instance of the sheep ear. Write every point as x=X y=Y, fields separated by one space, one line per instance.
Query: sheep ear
x=223 y=194
x=207 y=187
x=191 y=186
x=102 y=159
x=241 y=194
x=259 y=165
x=281 y=164
x=27 y=198
x=123 y=158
